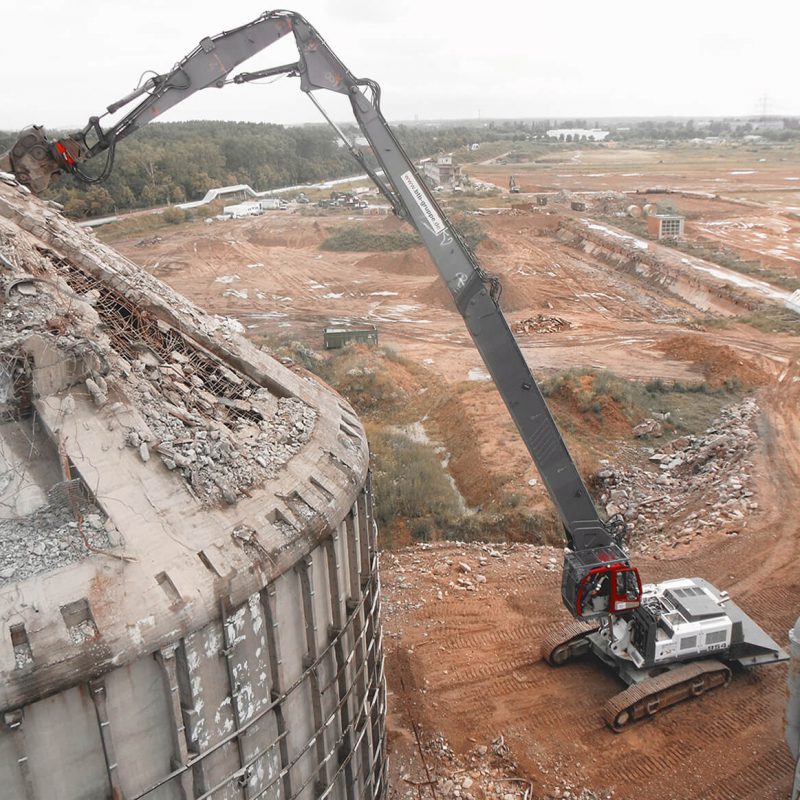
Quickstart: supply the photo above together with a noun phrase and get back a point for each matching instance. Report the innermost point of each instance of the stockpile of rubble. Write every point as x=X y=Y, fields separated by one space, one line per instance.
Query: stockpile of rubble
x=99 y=325
x=487 y=772
x=55 y=535
x=216 y=457
x=541 y=323
x=694 y=484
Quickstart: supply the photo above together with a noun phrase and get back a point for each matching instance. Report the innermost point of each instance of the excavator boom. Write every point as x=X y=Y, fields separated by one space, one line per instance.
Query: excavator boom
x=596 y=562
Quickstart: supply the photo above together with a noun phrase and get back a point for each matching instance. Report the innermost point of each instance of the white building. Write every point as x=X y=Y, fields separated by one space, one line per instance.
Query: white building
x=248 y=209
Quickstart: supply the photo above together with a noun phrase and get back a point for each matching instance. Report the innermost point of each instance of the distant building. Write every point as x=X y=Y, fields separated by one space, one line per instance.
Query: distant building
x=246 y=209
x=665 y=226
x=768 y=125
x=577 y=134
x=442 y=172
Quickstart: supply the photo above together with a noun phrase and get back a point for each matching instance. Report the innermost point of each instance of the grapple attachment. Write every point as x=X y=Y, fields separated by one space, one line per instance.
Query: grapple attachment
x=34 y=159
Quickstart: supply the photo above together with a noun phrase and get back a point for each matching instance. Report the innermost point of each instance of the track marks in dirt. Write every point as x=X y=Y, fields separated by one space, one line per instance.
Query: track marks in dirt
x=756 y=780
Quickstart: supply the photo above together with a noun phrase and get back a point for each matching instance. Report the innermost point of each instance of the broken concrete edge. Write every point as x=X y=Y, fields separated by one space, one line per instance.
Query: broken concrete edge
x=140 y=596
x=160 y=300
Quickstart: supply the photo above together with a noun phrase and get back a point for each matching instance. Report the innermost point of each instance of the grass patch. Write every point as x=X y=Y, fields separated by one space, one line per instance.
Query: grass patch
x=148 y=223
x=773 y=320
x=357 y=239
x=370 y=379
x=681 y=407
x=410 y=482
x=141 y=225
x=524 y=525
x=588 y=387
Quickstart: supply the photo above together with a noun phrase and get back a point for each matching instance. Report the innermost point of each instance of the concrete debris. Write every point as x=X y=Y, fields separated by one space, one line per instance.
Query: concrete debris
x=487 y=772
x=541 y=323
x=83 y=632
x=61 y=533
x=221 y=432
x=98 y=395
x=710 y=473
x=649 y=428
x=188 y=430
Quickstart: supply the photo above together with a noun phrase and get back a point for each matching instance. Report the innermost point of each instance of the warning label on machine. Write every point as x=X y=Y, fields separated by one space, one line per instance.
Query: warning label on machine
x=432 y=218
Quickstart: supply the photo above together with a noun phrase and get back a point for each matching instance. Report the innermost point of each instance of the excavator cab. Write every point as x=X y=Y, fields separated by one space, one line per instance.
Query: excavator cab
x=599 y=582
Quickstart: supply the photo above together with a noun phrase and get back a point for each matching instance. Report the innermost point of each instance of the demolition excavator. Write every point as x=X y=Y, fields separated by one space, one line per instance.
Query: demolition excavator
x=669 y=641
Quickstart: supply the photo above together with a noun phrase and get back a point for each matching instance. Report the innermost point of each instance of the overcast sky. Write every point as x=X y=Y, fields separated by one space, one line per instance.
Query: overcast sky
x=63 y=62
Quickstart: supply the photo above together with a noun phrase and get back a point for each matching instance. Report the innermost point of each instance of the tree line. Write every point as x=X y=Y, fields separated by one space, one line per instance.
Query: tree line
x=173 y=162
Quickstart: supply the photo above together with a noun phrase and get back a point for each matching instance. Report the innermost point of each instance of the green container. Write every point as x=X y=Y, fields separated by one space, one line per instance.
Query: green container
x=339 y=337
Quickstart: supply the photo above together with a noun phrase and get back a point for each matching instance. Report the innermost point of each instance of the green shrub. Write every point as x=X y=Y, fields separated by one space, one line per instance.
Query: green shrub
x=358 y=239
x=409 y=481
x=656 y=386
x=422 y=529
x=174 y=215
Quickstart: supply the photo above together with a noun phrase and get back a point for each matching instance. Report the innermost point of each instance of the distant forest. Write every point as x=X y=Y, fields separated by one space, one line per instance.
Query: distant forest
x=173 y=162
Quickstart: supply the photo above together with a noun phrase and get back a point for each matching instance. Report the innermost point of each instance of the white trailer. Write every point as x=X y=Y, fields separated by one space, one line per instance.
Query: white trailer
x=247 y=209
x=272 y=204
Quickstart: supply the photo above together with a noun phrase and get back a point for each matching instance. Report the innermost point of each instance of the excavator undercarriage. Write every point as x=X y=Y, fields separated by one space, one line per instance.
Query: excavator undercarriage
x=679 y=644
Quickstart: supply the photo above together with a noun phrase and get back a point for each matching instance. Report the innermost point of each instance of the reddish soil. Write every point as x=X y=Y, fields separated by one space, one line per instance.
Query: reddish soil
x=468 y=666
x=718 y=363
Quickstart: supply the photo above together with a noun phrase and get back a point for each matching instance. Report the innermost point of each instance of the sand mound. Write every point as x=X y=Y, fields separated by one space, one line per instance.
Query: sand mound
x=408 y=262
x=718 y=363
x=513 y=298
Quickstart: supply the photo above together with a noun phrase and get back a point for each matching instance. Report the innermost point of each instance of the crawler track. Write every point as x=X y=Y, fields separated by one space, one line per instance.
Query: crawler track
x=566 y=643
x=655 y=694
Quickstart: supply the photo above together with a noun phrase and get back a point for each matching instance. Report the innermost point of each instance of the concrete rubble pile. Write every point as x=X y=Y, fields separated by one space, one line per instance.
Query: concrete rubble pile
x=695 y=484
x=80 y=327
x=185 y=428
x=487 y=772
x=541 y=323
x=50 y=537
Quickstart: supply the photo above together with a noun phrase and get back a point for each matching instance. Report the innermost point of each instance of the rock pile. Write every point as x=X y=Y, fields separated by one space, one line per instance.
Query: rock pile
x=693 y=484
x=541 y=323
x=54 y=536
x=487 y=772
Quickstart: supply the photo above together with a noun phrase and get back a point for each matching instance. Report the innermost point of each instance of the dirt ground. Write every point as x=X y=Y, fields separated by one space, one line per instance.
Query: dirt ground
x=463 y=665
